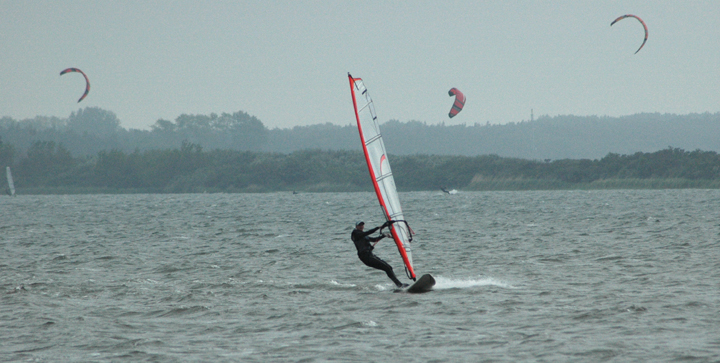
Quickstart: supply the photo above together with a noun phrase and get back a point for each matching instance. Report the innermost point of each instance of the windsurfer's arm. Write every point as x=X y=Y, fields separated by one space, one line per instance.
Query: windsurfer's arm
x=377 y=239
x=370 y=231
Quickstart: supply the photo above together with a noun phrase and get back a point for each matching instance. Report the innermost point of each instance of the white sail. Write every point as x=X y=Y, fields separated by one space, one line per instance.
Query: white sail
x=11 y=185
x=380 y=171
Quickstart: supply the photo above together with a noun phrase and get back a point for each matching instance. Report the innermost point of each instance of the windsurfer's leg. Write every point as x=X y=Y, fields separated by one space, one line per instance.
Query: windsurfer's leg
x=375 y=262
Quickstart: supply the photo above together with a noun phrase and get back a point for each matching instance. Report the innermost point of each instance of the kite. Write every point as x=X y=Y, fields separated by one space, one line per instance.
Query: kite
x=459 y=101
x=87 y=81
x=641 y=22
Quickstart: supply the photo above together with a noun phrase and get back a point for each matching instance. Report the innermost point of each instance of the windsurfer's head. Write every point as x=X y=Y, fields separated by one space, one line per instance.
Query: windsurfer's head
x=360 y=225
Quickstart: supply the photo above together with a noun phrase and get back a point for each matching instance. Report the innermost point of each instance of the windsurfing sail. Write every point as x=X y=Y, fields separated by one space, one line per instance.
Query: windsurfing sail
x=380 y=172
x=11 y=185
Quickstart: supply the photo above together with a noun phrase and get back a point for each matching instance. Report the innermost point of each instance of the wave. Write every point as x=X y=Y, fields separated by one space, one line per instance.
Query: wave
x=335 y=283
x=460 y=283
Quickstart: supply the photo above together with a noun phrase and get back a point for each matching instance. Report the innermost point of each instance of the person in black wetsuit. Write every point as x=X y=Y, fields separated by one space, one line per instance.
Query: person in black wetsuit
x=362 y=241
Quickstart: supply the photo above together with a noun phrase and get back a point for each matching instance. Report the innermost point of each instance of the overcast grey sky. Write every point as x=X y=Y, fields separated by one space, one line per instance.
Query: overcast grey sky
x=286 y=62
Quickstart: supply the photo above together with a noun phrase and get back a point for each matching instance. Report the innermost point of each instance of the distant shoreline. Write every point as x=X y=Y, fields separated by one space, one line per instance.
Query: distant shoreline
x=476 y=186
x=48 y=168
x=653 y=183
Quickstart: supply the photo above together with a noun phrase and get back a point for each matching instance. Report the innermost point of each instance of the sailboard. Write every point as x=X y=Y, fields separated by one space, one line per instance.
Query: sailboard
x=423 y=284
x=380 y=172
x=11 y=185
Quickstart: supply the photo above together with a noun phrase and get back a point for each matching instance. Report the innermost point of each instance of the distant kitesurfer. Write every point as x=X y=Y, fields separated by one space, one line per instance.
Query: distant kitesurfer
x=364 y=248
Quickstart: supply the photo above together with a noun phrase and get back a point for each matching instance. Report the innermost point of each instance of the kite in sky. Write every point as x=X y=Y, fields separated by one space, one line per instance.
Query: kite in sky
x=641 y=22
x=459 y=101
x=87 y=81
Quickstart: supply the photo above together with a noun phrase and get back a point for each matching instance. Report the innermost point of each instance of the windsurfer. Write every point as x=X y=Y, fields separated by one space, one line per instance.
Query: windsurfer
x=362 y=243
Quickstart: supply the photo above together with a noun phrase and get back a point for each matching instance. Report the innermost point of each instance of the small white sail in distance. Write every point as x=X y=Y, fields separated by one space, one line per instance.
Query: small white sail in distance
x=11 y=185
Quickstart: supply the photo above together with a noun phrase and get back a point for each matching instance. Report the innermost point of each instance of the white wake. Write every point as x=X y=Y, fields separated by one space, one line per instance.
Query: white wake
x=459 y=283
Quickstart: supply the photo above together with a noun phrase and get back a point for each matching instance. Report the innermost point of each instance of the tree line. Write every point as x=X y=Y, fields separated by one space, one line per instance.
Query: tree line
x=48 y=167
x=91 y=130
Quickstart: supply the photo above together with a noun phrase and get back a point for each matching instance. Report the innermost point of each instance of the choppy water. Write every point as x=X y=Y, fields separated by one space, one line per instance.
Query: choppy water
x=521 y=276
